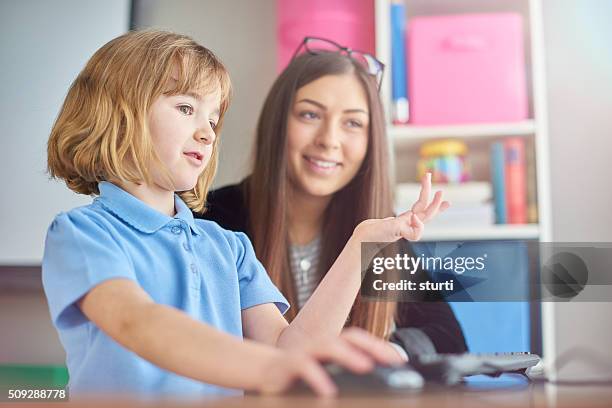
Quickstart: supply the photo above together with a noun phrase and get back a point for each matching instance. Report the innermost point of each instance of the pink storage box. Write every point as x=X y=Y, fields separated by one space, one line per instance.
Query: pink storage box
x=348 y=22
x=466 y=68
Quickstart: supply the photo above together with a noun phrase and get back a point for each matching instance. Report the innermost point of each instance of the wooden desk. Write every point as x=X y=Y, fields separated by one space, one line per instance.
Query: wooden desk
x=532 y=396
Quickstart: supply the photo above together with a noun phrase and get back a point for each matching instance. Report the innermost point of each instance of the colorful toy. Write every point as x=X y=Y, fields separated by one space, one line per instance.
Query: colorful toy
x=446 y=160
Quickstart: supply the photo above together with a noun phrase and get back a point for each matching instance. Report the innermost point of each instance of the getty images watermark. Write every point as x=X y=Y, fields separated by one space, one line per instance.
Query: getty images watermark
x=487 y=271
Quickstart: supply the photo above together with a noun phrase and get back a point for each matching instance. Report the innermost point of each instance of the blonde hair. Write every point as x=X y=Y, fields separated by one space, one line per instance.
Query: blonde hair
x=101 y=132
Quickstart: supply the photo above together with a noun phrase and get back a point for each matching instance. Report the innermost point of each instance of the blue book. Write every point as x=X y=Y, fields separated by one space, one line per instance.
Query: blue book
x=498 y=177
x=399 y=87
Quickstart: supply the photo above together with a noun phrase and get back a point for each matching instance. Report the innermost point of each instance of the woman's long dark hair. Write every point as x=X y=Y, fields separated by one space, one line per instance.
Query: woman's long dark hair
x=368 y=195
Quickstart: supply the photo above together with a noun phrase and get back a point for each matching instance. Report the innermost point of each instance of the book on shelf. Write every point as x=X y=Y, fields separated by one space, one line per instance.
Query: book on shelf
x=516 y=180
x=498 y=177
x=470 y=203
x=532 y=193
x=399 y=87
x=465 y=215
x=513 y=176
x=470 y=192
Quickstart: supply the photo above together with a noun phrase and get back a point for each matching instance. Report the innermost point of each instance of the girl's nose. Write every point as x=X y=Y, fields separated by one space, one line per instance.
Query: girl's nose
x=206 y=136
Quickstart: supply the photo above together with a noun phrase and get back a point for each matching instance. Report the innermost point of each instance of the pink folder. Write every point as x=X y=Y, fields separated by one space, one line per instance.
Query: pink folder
x=466 y=68
x=347 y=22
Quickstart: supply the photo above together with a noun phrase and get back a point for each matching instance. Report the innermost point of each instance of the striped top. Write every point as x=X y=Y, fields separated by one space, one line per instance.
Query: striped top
x=304 y=261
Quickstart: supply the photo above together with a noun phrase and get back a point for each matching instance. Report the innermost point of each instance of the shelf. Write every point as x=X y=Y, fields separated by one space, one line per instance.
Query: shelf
x=404 y=140
x=408 y=134
x=498 y=232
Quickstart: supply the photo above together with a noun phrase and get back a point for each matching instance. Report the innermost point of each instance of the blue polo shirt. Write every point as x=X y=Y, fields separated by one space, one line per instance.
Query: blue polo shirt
x=209 y=273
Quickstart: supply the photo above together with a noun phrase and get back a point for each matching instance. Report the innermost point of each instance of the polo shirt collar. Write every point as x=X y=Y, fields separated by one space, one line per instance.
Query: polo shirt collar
x=138 y=214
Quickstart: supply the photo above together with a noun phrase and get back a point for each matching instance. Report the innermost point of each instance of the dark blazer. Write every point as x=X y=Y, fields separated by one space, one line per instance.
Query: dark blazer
x=436 y=320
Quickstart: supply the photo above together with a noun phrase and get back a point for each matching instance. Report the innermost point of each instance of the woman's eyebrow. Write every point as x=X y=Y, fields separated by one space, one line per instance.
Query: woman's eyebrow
x=323 y=107
x=317 y=104
x=355 y=111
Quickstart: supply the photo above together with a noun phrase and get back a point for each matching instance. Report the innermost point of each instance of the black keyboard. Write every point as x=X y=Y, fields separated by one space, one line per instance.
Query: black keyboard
x=452 y=368
x=446 y=369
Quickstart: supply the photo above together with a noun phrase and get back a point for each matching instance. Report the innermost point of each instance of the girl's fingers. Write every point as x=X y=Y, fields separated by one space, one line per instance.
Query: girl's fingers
x=342 y=352
x=436 y=206
x=408 y=226
x=418 y=222
x=428 y=211
x=315 y=376
x=433 y=208
x=418 y=226
x=404 y=214
x=373 y=346
x=421 y=203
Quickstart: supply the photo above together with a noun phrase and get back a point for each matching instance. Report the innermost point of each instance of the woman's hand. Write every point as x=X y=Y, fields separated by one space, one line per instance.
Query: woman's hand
x=355 y=350
x=408 y=225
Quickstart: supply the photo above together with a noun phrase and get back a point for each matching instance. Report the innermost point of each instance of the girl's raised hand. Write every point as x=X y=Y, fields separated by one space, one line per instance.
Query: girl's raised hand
x=408 y=225
x=422 y=208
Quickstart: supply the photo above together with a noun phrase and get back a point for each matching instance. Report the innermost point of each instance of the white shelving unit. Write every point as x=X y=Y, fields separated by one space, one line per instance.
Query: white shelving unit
x=407 y=135
x=494 y=232
x=405 y=140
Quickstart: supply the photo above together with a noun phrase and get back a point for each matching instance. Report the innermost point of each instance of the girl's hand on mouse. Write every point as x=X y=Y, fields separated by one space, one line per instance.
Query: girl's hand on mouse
x=355 y=349
x=286 y=368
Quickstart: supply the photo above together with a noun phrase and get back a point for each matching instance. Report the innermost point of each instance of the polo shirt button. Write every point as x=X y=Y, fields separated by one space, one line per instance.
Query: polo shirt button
x=186 y=246
x=194 y=268
x=176 y=230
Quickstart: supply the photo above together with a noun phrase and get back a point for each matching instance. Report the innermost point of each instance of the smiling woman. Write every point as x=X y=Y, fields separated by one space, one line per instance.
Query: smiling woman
x=327 y=133
x=321 y=168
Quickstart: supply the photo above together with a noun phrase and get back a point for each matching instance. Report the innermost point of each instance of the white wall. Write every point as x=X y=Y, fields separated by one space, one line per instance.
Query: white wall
x=577 y=37
x=579 y=61
x=44 y=45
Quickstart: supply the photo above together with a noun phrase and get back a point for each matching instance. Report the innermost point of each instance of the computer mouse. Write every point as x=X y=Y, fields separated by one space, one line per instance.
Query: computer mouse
x=381 y=380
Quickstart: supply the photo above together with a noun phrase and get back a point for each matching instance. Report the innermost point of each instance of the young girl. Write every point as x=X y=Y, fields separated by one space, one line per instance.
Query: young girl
x=320 y=168
x=145 y=298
